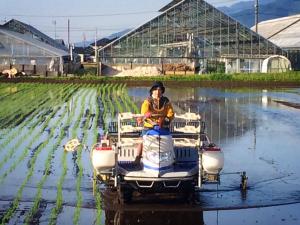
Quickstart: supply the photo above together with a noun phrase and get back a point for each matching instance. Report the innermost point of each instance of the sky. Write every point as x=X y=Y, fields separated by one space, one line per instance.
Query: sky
x=88 y=18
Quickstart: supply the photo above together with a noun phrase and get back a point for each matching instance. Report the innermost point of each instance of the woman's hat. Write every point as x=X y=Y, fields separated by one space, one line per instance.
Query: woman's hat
x=157 y=84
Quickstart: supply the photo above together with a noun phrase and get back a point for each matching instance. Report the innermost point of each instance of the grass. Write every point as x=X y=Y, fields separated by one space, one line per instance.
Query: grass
x=291 y=76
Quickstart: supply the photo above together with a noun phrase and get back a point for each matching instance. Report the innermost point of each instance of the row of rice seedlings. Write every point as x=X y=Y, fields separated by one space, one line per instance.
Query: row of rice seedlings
x=34 y=209
x=13 y=132
x=97 y=112
x=79 y=164
x=66 y=94
x=21 y=139
x=23 y=108
x=59 y=197
x=104 y=97
x=61 y=98
x=12 y=209
x=123 y=94
x=27 y=148
x=6 y=100
x=48 y=94
x=17 y=101
x=3 y=89
x=116 y=92
x=109 y=99
x=95 y=140
x=11 y=90
x=16 y=132
x=100 y=106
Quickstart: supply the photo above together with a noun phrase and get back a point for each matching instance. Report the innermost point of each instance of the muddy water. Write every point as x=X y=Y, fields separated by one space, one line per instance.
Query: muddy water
x=259 y=132
x=257 y=129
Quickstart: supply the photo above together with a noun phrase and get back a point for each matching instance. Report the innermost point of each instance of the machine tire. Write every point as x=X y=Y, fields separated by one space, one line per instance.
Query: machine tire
x=189 y=197
x=189 y=193
x=125 y=195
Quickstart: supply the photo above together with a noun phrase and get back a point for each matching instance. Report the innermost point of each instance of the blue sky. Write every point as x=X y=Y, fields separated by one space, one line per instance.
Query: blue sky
x=107 y=16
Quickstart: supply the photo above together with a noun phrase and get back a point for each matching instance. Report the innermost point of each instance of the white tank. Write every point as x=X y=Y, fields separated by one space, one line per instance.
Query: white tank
x=158 y=152
x=212 y=160
x=103 y=157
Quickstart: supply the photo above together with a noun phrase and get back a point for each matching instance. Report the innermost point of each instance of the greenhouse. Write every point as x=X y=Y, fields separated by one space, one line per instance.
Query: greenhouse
x=24 y=48
x=190 y=35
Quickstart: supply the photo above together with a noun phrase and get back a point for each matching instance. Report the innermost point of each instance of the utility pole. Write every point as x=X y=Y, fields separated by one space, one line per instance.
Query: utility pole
x=69 y=34
x=96 y=44
x=96 y=54
x=84 y=39
x=69 y=46
x=54 y=23
x=256 y=15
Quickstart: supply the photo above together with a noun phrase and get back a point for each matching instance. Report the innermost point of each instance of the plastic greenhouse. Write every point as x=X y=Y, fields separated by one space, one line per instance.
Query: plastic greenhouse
x=25 y=48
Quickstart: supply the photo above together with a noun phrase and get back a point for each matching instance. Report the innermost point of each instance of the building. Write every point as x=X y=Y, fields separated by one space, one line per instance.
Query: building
x=284 y=32
x=191 y=36
x=87 y=54
x=29 y=50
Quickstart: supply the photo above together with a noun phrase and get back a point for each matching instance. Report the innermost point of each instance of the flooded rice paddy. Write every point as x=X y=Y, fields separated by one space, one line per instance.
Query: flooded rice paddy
x=40 y=183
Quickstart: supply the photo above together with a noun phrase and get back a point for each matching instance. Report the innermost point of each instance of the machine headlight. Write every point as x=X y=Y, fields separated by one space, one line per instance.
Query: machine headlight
x=156 y=157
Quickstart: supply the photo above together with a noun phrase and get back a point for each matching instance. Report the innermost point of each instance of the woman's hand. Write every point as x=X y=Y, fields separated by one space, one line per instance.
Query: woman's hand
x=147 y=115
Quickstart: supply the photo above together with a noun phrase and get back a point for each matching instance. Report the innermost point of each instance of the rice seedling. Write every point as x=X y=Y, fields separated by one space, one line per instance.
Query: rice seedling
x=59 y=197
x=32 y=130
x=10 y=212
x=95 y=139
x=34 y=209
x=80 y=173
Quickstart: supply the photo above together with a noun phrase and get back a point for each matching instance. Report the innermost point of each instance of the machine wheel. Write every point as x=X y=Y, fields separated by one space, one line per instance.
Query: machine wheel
x=125 y=194
x=189 y=197
x=189 y=193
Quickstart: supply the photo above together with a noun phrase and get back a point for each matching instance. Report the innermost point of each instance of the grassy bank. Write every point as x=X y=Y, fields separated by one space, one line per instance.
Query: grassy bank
x=292 y=76
x=288 y=78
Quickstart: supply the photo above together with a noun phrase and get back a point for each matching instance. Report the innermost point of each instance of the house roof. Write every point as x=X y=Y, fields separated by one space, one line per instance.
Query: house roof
x=84 y=50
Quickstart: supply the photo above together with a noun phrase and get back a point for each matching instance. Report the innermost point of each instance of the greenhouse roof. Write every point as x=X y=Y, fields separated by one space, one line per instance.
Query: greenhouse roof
x=186 y=30
x=28 y=39
x=284 y=32
x=169 y=5
x=20 y=27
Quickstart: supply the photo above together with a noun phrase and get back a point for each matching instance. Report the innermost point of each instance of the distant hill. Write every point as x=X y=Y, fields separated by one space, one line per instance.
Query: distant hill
x=244 y=5
x=118 y=34
x=268 y=9
x=112 y=36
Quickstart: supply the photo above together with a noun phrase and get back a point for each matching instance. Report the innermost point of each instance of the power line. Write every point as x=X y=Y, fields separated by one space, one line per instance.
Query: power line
x=98 y=15
x=79 y=16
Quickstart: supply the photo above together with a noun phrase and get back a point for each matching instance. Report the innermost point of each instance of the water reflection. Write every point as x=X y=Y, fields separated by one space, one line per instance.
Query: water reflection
x=227 y=114
x=164 y=212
